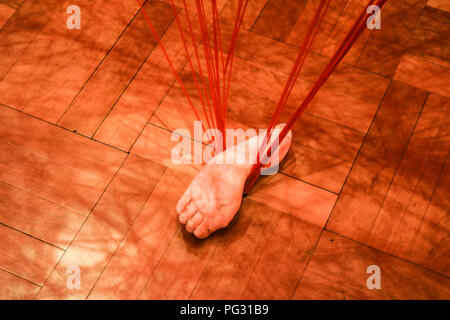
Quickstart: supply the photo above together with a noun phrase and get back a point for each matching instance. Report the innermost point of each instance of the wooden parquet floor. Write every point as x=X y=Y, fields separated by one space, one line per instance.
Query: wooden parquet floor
x=86 y=178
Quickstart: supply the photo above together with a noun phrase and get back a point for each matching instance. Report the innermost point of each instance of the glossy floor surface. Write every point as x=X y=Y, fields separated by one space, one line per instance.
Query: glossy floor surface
x=87 y=184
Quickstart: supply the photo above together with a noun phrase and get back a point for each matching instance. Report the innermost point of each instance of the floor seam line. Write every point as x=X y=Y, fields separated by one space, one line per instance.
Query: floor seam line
x=19 y=276
x=126 y=233
x=99 y=65
x=388 y=253
x=31 y=236
x=367 y=237
x=84 y=222
x=63 y=128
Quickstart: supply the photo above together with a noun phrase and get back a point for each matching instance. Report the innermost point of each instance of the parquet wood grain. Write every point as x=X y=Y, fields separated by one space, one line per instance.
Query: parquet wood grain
x=59 y=61
x=104 y=229
x=254 y=8
x=37 y=216
x=369 y=180
x=403 y=212
x=27 y=257
x=350 y=12
x=156 y=144
x=16 y=288
x=300 y=29
x=21 y=30
x=135 y=260
x=365 y=183
x=385 y=48
x=338 y=270
x=431 y=245
x=39 y=158
x=423 y=74
x=5 y=13
x=110 y=80
x=278 y=18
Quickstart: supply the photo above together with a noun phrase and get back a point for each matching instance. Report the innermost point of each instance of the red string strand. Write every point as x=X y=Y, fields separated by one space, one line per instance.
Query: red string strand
x=194 y=43
x=230 y=57
x=199 y=91
x=295 y=72
x=158 y=40
x=209 y=61
x=351 y=37
x=219 y=71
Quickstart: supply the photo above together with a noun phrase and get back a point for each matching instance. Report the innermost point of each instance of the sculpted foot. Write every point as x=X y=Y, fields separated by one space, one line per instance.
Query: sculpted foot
x=215 y=194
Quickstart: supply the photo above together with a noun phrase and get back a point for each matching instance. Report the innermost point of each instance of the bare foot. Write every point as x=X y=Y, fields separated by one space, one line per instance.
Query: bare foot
x=215 y=195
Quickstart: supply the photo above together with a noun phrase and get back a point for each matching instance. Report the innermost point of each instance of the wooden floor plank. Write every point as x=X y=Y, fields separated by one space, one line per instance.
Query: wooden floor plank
x=156 y=144
x=385 y=48
x=300 y=29
x=435 y=229
x=254 y=8
x=37 y=216
x=27 y=257
x=114 y=74
x=180 y=268
x=129 y=116
x=315 y=167
x=422 y=74
x=406 y=203
x=103 y=231
x=61 y=146
x=278 y=18
x=233 y=262
x=349 y=97
x=139 y=253
x=357 y=91
x=259 y=49
x=283 y=260
x=16 y=288
x=368 y=182
x=192 y=8
x=431 y=37
x=43 y=177
x=22 y=29
x=350 y=12
x=294 y=197
x=338 y=270
x=59 y=62
x=5 y=13
x=40 y=158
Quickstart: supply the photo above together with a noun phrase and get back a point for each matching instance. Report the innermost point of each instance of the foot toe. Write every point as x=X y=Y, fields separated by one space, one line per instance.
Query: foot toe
x=194 y=222
x=202 y=231
x=184 y=201
x=188 y=213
